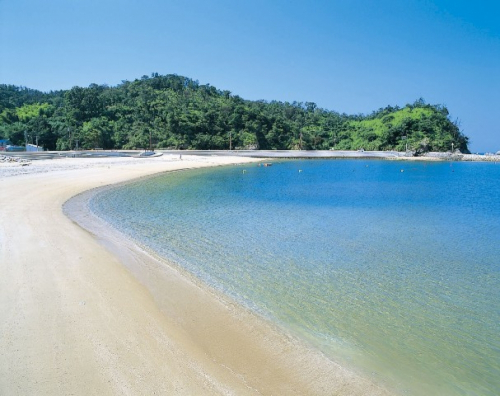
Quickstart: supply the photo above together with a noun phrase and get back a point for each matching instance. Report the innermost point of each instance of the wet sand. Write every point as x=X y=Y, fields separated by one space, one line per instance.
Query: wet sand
x=86 y=311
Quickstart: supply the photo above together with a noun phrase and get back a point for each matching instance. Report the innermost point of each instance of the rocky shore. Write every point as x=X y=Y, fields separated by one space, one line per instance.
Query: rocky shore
x=457 y=156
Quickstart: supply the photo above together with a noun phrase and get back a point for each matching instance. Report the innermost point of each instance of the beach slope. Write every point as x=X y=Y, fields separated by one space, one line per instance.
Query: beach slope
x=81 y=316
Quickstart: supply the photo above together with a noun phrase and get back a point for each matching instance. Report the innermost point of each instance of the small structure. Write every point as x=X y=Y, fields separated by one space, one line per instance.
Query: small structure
x=4 y=143
x=14 y=148
x=33 y=147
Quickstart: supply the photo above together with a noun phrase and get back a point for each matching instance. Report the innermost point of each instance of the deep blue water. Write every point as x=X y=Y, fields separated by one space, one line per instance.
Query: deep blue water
x=389 y=267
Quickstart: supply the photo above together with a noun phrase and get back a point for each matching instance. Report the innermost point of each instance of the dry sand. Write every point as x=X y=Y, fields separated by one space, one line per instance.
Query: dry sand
x=87 y=312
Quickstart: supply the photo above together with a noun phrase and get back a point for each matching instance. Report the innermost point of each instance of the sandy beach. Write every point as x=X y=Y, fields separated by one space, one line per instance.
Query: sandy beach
x=87 y=312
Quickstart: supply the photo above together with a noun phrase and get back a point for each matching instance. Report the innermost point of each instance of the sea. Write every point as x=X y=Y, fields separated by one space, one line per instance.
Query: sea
x=390 y=268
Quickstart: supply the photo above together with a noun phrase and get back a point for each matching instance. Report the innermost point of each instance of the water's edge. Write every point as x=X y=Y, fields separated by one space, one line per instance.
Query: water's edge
x=150 y=269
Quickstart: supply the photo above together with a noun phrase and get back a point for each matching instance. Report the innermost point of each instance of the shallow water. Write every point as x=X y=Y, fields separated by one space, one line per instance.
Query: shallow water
x=391 y=268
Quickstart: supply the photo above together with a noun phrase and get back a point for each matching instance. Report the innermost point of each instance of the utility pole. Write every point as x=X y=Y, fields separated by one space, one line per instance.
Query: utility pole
x=151 y=130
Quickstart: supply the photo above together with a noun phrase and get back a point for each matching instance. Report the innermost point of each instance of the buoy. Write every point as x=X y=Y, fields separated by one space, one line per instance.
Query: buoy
x=300 y=170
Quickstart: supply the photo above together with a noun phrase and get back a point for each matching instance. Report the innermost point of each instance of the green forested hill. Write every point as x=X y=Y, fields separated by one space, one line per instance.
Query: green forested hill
x=177 y=112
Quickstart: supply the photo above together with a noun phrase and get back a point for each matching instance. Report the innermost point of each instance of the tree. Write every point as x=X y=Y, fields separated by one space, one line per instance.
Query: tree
x=177 y=112
x=97 y=133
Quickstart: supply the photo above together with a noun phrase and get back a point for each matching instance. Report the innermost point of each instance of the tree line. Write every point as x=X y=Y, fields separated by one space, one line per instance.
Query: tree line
x=175 y=112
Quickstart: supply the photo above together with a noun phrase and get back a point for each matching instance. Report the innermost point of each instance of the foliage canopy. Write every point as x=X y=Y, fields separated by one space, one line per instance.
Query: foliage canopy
x=177 y=112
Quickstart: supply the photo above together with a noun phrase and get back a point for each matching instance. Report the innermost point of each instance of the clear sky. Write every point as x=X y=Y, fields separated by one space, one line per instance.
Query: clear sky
x=351 y=56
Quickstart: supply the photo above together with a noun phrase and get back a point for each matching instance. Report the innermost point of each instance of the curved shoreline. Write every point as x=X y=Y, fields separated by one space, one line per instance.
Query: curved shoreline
x=7 y=157
x=87 y=311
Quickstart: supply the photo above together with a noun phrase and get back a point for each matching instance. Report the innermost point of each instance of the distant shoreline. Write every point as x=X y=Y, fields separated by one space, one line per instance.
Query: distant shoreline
x=341 y=154
x=298 y=154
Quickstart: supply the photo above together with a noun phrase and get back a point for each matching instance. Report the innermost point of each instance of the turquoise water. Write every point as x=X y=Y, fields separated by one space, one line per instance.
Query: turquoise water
x=390 y=268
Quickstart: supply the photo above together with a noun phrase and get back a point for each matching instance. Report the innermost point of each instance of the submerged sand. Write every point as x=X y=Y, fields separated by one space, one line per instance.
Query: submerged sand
x=88 y=312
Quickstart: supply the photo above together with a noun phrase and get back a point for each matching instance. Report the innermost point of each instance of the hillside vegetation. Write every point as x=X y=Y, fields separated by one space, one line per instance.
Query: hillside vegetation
x=177 y=112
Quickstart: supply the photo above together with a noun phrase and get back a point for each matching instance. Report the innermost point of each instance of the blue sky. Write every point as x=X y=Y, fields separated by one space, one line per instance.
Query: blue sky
x=351 y=56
